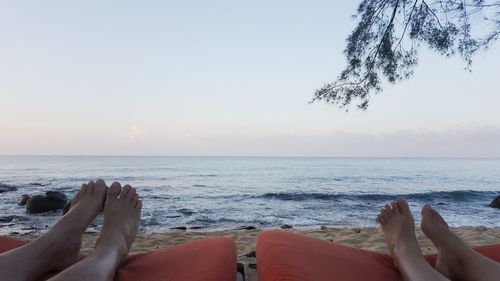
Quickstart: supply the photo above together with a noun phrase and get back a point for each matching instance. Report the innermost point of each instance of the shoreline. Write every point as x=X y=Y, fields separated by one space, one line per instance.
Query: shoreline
x=367 y=238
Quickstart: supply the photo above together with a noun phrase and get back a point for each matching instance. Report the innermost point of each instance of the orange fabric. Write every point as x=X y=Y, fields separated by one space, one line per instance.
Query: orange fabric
x=294 y=257
x=7 y=243
x=211 y=259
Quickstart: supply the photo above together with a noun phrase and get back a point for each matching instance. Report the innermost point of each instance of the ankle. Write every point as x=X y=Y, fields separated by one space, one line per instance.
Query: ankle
x=114 y=248
x=406 y=249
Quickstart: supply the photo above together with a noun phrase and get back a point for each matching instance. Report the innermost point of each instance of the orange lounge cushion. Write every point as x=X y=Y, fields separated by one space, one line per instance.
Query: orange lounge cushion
x=294 y=257
x=212 y=259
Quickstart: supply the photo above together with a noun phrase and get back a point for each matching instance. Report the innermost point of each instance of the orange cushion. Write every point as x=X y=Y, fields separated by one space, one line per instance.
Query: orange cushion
x=211 y=259
x=7 y=243
x=294 y=257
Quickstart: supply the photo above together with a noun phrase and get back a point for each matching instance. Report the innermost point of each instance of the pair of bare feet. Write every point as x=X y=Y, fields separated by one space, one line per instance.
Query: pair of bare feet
x=455 y=259
x=58 y=250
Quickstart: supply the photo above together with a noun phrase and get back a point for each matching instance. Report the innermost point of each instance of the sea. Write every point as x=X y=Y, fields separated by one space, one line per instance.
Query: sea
x=229 y=193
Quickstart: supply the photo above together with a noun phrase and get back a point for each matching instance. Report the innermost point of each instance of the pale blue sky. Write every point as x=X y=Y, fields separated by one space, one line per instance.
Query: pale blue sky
x=221 y=78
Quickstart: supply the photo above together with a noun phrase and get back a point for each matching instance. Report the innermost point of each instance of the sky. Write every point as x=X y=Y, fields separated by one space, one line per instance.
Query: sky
x=222 y=78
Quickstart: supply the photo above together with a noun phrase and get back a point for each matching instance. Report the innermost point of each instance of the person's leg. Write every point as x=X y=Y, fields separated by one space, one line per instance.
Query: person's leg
x=60 y=246
x=122 y=213
x=455 y=259
x=399 y=233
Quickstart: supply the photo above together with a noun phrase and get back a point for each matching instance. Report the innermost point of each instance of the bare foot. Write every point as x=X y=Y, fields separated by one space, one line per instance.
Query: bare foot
x=122 y=214
x=455 y=259
x=68 y=231
x=398 y=227
x=448 y=245
x=58 y=248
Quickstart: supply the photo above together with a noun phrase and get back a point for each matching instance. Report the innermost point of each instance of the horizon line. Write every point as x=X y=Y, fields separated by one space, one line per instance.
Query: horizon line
x=250 y=156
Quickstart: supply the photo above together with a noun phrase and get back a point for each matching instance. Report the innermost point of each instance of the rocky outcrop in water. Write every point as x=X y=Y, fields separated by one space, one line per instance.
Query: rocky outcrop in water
x=66 y=207
x=7 y=187
x=247 y=227
x=179 y=228
x=495 y=203
x=52 y=200
x=23 y=199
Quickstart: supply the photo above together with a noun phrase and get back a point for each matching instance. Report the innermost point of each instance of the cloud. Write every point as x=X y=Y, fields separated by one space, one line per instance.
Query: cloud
x=458 y=141
x=137 y=133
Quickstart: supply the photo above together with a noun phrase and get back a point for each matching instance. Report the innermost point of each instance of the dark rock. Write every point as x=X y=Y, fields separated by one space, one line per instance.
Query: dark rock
x=248 y=227
x=179 y=228
x=252 y=265
x=53 y=200
x=186 y=212
x=23 y=199
x=240 y=268
x=7 y=188
x=286 y=226
x=196 y=227
x=495 y=203
x=324 y=227
x=56 y=196
x=66 y=207
x=252 y=254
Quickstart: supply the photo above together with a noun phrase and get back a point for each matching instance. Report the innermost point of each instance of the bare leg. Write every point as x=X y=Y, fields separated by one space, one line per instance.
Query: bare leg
x=455 y=259
x=60 y=246
x=399 y=232
x=122 y=213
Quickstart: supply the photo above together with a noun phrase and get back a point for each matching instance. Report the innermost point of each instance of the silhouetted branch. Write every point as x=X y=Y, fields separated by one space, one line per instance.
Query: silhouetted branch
x=374 y=50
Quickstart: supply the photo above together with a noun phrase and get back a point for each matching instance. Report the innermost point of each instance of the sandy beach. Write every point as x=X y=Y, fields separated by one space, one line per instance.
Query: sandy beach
x=364 y=238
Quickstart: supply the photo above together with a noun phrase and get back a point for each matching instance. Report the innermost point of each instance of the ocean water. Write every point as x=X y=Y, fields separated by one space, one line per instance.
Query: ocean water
x=215 y=193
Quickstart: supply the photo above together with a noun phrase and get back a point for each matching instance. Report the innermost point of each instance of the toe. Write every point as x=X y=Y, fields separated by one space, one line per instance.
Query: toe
x=125 y=191
x=134 y=199
x=395 y=208
x=383 y=212
x=90 y=187
x=379 y=218
x=84 y=188
x=426 y=209
x=438 y=216
x=387 y=211
x=403 y=206
x=132 y=194
x=114 y=190
x=100 y=184
x=433 y=211
x=138 y=206
x=382 y=218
